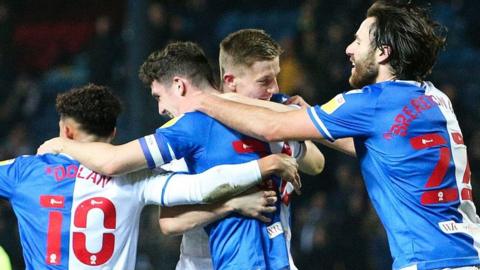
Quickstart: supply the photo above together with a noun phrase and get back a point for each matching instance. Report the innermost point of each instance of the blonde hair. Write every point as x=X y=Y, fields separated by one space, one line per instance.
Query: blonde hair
x=245 y=47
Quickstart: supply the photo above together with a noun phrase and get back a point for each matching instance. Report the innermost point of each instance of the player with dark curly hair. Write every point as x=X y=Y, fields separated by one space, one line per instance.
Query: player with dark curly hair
x=71 y=217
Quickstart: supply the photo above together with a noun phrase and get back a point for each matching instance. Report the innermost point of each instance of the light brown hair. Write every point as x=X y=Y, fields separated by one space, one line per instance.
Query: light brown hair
x=245 y=47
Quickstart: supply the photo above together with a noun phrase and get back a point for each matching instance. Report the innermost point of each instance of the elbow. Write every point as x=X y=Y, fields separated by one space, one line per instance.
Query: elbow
x=316 y=168
x=319 y=165
x=110 y=169
x=313 y=169
x=319 y=168
x=313 y=161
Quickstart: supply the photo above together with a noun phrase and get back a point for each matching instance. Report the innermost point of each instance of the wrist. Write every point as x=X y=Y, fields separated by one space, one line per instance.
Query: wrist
x=268 y=166
x=230 y=206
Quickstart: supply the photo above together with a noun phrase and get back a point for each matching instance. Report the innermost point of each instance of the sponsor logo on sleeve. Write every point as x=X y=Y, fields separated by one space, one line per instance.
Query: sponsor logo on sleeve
x=171 y=122
x=333 y=104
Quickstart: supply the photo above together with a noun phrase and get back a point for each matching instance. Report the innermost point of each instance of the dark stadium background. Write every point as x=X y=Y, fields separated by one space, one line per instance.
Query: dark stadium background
x=49 y=46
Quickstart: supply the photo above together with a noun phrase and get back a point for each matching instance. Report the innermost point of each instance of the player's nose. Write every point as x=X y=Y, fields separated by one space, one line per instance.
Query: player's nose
x=162 y=110
x=349 y=49
x=274 y=88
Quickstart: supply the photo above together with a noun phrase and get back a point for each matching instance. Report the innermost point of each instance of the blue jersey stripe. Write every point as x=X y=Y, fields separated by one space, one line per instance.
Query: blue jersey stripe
x=163 y=146
x=146 y=153
x=165 y=187
x=166 y=184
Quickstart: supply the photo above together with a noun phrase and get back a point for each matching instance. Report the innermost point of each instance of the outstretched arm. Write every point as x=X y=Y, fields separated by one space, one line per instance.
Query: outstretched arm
x=255 y=121
x=344 y=145
x=296 y=126
x=219 y=182
x=101 y=157
x=179 y=219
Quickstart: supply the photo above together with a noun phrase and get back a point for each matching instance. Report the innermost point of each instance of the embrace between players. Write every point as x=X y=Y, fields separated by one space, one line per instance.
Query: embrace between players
x=400 y=127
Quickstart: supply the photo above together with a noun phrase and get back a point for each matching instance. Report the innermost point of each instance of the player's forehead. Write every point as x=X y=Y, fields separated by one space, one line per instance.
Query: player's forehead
x=263 y=68
x=363 y=32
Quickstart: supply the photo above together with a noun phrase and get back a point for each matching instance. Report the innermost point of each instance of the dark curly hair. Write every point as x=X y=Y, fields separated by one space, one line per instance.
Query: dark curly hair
x=177 y=59
x=414 y=38
x=94 y=107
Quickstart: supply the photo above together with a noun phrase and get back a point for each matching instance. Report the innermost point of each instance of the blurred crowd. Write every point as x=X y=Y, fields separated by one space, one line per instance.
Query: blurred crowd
x=45 y=50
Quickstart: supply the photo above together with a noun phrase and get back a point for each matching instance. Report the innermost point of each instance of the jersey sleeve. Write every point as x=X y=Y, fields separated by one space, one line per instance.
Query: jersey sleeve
x=348 y=114
x=178 y=138
x=212 y=185
x=8 y=177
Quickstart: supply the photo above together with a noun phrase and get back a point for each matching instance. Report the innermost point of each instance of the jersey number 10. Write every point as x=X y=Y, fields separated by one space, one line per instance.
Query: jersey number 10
x=53 y=256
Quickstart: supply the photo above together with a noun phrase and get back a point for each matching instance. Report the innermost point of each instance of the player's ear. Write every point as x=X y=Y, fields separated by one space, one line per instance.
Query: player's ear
x=383 y=54
x=112 y=135
x=66 y=130
x=229 y=84
x=179 y=86
x=69 y=132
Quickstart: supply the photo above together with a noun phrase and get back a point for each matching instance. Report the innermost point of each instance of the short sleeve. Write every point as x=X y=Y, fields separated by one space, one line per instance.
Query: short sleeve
x=178 y=138
x=348 y=114
x=8 y=177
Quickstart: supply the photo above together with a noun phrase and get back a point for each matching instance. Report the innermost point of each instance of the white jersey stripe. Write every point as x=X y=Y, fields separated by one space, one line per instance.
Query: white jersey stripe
x=170 y=150
x=459 y=154
x=154 y=151
x=320 y=123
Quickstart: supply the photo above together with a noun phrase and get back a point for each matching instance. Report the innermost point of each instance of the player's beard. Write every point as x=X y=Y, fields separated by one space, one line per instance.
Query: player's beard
x=365 y=73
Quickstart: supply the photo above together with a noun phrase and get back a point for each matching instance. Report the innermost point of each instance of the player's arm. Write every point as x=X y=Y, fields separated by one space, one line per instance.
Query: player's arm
x=257 y=120
x=180 y=219
x=308 y=131
x=312 y=161
x=217 y=183
x=101 y=157
x=9 y=175
x=290 y=125
x=344 y=145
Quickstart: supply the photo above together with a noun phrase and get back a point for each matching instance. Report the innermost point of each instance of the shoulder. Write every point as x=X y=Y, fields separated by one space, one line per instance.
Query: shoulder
x=369 y=90
x=49 y=159
x=187 y=120
x=21 y=160
x=34 y=164
x=367 y=95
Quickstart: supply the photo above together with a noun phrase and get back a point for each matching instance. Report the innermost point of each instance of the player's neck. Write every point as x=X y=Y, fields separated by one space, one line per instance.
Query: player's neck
x=211 y=90
x=385 y=74
x=208 y=89
x=83 y=137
